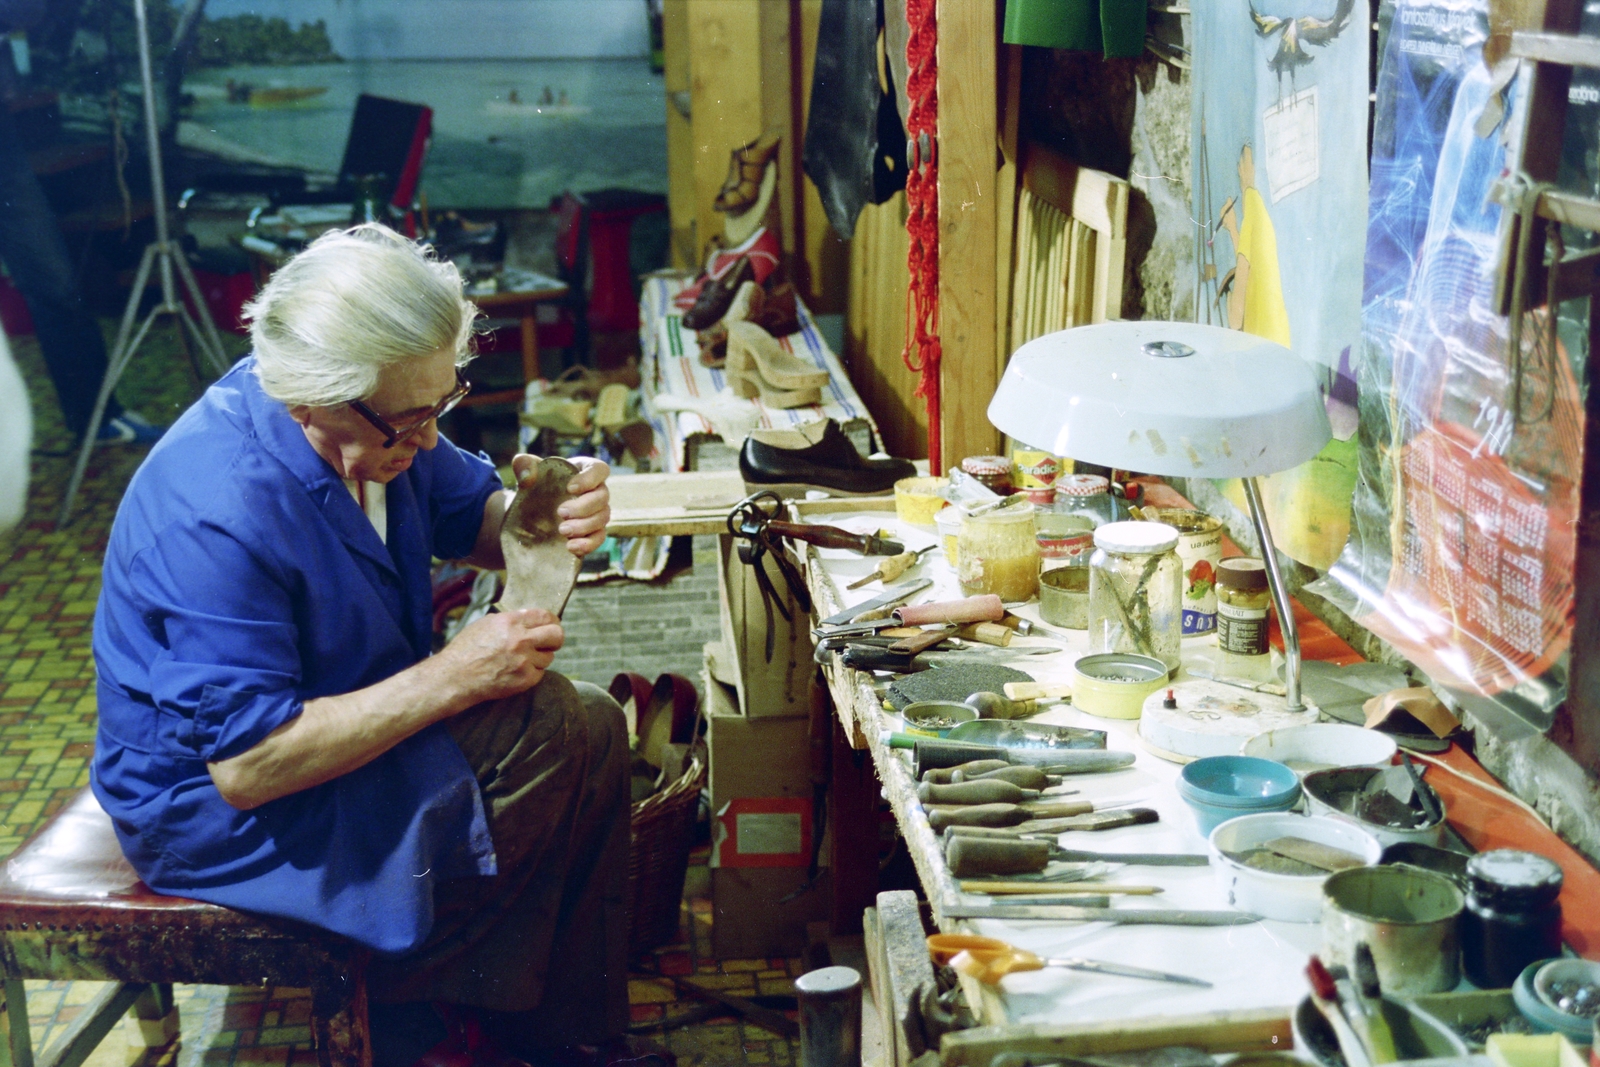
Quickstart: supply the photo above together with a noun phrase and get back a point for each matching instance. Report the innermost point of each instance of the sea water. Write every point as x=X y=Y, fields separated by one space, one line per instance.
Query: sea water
x=493 y=145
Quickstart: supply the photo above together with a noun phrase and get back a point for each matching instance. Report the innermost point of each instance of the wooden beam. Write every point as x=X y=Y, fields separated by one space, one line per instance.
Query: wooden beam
x=968 y=211
x=1569 y=49
x=725 y=97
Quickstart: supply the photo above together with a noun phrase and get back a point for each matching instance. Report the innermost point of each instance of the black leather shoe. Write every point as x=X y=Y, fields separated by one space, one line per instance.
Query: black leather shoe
x=815 y=456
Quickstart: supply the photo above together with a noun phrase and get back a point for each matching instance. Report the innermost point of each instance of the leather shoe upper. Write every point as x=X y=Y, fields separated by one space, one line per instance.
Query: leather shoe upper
x=801 y=458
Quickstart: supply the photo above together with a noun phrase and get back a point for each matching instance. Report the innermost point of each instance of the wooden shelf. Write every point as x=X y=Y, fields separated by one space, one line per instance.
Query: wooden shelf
x=1567 y=49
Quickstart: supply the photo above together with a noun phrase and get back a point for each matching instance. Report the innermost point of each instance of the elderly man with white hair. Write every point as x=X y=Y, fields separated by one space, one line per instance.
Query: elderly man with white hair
x=274 y=733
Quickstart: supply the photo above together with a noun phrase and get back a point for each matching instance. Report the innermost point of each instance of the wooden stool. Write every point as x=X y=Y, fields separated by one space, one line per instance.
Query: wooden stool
x=72 y=908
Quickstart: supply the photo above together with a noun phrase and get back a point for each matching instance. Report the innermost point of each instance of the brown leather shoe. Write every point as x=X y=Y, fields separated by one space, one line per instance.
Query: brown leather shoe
x=717 y=294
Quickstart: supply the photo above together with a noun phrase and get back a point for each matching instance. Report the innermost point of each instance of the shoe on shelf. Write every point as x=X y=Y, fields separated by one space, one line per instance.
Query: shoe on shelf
x=752 y=350
x=815 y=456
x=750 y=385
x=717 y=294
x=129 y=428
x=746 y=167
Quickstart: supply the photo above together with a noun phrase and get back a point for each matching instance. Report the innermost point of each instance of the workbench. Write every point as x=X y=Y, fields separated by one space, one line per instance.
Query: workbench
x=1252 y=966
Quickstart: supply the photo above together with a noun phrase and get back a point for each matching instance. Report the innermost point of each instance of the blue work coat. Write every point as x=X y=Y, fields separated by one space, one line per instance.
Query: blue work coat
x=241 y=580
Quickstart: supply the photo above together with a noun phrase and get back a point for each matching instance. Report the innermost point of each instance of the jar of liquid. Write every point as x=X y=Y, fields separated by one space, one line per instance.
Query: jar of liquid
x=1512 y=916
x=997 y=553
x=1242 y=602
x=1136 y=591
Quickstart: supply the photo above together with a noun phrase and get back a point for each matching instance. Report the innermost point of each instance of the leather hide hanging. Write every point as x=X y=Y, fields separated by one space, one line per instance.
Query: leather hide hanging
x=854 y=150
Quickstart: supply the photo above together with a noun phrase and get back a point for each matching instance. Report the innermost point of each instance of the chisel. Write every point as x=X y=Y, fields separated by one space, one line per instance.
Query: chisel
x=988 y=791
x=1125 y=916
x=946 y=775
x=932 y=752
x=1006 y=814
x=1035 y=892
x=1017 y=774
x=973 y=855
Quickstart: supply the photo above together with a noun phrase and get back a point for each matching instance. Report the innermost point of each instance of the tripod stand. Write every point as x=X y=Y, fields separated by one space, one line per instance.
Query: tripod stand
x=165 y=257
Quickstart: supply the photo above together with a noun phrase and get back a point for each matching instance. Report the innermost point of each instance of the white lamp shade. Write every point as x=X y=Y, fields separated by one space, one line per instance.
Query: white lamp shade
x=1219 y=404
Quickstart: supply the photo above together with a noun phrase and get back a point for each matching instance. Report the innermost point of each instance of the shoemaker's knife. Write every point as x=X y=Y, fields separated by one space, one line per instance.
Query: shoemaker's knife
x=887 y=599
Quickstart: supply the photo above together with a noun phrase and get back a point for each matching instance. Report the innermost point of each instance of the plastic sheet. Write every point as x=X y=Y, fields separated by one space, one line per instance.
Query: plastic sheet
x=1462 y=541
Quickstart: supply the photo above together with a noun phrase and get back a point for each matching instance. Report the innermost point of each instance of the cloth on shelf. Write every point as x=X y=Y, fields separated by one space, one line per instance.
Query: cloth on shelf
x=1110 y=27
x=672 y=367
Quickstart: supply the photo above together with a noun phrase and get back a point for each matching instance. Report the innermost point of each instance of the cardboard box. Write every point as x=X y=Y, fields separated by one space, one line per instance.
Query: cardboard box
x=749 y=918
x=775 y=687
x=763 y=757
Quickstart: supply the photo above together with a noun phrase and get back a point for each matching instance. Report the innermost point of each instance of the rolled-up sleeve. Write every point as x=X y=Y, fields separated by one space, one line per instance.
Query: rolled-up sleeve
x=462 y=485
x=228 y=668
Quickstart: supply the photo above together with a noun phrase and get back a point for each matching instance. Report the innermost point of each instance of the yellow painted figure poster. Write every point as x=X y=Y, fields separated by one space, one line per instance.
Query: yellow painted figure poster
x=1280 y=201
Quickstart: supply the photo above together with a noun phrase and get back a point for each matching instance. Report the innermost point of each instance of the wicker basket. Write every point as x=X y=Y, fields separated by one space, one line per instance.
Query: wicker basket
x=658 y=859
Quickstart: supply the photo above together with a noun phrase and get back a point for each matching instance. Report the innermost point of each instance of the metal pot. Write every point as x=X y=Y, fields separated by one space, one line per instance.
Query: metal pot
x=1064 y=597
x=1405 y=915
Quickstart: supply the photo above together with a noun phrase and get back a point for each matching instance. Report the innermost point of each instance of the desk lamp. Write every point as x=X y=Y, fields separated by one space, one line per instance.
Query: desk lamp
x=1172 y=398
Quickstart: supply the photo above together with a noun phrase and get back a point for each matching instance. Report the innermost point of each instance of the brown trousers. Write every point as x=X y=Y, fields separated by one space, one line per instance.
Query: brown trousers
x=542 y=946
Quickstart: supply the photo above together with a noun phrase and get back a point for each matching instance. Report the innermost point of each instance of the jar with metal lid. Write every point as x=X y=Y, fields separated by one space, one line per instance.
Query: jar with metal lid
x=992 y=472
x=1242 y=606
x=1512 y=916
x=1136 y=591
x=1088 y=495
x=996 y=552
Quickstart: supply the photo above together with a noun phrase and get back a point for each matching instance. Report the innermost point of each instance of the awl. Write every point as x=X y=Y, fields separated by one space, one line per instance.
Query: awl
x=1125 y=916
x=887 y=599
x=931 y=752
x=971 y=855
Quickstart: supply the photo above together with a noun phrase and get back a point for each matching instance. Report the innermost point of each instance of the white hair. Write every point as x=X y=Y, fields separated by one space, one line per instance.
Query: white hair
x=355 y=301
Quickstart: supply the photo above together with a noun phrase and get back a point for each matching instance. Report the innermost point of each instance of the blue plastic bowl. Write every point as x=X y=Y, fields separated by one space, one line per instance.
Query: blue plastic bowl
x=1219 y=788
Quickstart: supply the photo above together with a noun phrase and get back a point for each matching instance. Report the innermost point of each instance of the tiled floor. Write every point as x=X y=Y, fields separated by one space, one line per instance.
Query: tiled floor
x=48 y=584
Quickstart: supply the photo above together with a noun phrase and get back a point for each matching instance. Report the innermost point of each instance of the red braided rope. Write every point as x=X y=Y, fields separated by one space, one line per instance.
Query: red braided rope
x=921 y=353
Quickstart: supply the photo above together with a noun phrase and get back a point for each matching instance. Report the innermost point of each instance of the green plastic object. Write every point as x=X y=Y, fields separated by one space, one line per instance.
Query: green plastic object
x=1110 y=27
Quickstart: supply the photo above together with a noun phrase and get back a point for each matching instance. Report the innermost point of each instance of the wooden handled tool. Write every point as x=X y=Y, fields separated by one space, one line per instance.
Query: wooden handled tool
x=971 y=856
x=834 y=537
x=1003 y=814
x=987 y=633
x=891 y=568
x=1015 y=773
x=933 y=752
x=1037 y=691
x=988 y=791
x=921 y=641
x=946 y=775
x=1028 y=892
x=1057 y=824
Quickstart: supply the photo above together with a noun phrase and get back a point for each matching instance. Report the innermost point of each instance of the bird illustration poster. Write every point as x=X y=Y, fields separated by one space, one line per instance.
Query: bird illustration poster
x=1280 y=204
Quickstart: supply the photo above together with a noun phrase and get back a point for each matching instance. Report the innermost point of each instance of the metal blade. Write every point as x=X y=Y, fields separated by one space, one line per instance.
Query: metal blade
x=891 y=596
x=1125 y=916
x=1143 y=859
x=1125 y=970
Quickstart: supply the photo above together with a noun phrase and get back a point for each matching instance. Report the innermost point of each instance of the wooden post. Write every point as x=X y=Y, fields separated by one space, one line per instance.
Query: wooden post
x=968 y=213
x=852 y=827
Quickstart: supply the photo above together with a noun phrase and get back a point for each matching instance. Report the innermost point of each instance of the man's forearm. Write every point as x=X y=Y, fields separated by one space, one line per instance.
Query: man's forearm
x=335 y=735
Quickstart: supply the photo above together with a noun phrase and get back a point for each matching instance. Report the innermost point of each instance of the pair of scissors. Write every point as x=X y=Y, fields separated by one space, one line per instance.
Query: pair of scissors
x=988 y=959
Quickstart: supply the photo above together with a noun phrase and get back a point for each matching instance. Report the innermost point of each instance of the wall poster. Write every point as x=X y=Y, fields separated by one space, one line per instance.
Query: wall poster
x=1461 y=552
x=1280 y=139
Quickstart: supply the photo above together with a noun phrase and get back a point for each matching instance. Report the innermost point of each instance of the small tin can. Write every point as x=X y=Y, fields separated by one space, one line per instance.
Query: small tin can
x=992 y=472
x=1064 y=540
x=1200 y=549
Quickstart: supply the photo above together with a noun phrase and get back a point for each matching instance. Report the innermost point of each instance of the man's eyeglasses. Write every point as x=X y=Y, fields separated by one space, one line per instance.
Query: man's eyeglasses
x=393 y=435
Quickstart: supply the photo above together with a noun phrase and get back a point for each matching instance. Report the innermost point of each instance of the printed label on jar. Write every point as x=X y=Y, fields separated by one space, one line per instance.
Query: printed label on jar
x=1035 y=470
x=1242 y=631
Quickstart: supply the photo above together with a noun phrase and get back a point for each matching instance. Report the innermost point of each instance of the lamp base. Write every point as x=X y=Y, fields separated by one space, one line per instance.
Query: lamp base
x=1212 y=719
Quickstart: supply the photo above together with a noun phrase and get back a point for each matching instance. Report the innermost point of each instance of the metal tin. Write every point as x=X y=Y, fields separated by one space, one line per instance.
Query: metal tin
x=1200 y=549
x=1405 y=915
x=1035 y=469
x=1063 y=540
x=1113 y=685
x=1064 y=597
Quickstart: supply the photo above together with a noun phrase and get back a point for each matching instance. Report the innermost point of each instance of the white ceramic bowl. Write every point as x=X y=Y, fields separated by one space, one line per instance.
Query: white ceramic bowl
x=1321 y=745
x=1291 y=897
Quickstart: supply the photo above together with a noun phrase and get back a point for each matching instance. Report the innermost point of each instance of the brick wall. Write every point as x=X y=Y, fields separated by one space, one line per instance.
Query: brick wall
x=648 y=627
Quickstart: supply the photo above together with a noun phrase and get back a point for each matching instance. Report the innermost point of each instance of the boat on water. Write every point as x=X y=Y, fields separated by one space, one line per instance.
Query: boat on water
x=235 y=92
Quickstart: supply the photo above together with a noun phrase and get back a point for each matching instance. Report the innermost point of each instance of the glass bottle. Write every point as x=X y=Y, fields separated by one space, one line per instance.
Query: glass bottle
x=1512 y=917
x=1136 y=591
x=1088 y=495
x=1242 y=602
x=996 y=553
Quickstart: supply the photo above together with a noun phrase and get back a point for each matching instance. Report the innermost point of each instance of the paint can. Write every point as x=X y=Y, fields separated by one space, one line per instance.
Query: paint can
x=1405 y=915
x=1200 y=550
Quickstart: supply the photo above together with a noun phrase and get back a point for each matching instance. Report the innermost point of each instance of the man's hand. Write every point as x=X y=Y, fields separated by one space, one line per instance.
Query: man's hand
x=501 y=654
x=584 y=517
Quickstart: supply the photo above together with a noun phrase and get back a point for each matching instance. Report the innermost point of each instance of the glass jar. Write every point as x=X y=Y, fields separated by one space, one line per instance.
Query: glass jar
x=1512 y=917
x=996 y=553
x=1088 y=495
x=1136 y=591
x=1242 y=602
x=992 y=472
x=1064 y=540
